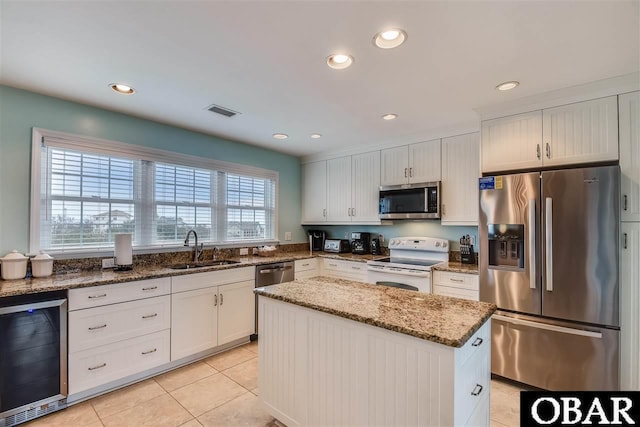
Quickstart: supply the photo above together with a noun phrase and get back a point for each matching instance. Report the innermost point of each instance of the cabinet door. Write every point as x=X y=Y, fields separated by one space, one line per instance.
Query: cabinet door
x=236 y=311
x=630 y=306
x=460 y=172
x=194 y=322
x=365 y=175
x=339 y=189
x=424 y=161
x=513 y=142
x=629 y=107
x=583 y=132
x=314 y=192
x=395 y=166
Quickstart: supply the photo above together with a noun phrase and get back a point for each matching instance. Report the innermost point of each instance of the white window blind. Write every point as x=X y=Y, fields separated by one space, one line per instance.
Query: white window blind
x=89 y=191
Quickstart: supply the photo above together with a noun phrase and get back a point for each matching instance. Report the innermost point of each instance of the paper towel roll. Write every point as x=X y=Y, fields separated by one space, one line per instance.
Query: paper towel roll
x=124 y=250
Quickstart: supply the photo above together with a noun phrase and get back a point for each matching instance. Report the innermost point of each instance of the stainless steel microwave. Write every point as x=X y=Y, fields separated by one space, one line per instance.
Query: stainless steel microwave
x=410 y=201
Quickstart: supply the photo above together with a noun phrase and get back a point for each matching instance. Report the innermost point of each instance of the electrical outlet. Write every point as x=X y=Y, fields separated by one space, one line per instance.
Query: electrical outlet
x=381 y=238
x=244 y=251
x=108 y=263
x=287 y=235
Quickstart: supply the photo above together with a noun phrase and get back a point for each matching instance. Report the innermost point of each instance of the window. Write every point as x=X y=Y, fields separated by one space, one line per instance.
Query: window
x=85 y=191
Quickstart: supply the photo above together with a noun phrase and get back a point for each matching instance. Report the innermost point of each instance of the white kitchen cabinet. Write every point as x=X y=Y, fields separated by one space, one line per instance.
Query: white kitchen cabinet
x=513 y=142
x=314 y=192
x=458 y=285
x=583 y=132
x=413 y=163
x=306 y=268
x=629 y=110
x=236 y=311
x=365 y=187
x=210 y=309
x=630 y=306
x=343 y=269
x=460 y=172
x=339 y=189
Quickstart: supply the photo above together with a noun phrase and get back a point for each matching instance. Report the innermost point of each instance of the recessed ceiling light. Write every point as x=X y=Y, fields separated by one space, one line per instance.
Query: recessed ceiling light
x=507 y=85
x=390 y=116
x=122 y=88
x=389 y=39
x=339 y=61
x=316 y=135
x=280 y=136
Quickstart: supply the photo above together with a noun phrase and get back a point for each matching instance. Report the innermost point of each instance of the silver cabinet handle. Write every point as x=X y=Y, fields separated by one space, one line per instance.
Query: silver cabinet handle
x=215 y=302
x=405 y=172
x=549 y=242
x=548 y=151
x=97 y=296
x=410 y=172
x=149 y=316
x=444 y=210
x=333 y=265
x=93 y=328
x=324 y=212
x=477 y=342
x=150 y=288
x=306 y=265
x=221 y=299
x=477 y=390
x=625 y=241
x=625 y=202
x=150 y=351
x=531 y=214
x=356 y=268
x=451 y=279
x=93 y=368
x=353 y=211
x=538 y=151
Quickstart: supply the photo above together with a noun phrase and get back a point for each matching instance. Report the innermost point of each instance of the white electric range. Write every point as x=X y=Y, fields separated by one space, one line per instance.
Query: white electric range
x=409 y=264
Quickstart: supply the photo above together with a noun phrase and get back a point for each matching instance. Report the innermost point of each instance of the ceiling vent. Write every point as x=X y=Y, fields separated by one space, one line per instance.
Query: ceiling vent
x=221 y=110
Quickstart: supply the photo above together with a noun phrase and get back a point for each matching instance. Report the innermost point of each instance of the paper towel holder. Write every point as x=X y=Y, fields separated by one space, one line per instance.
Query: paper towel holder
x=123 y=253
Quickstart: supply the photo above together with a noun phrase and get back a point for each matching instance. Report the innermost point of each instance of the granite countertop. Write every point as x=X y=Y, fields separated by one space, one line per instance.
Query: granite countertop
x=443 y=320
x=456 y=267
x=105 y=277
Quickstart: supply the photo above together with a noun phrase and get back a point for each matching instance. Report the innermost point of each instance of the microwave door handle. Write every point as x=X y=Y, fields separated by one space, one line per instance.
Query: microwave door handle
x=549 y=243
x=531 y=214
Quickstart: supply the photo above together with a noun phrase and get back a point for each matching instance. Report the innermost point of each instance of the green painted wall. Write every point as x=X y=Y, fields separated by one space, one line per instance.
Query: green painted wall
x=21 y=110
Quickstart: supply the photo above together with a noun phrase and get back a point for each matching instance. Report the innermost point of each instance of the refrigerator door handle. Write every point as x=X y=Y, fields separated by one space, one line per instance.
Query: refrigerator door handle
x=532 y=243
x=549 y=243
x=554 y=328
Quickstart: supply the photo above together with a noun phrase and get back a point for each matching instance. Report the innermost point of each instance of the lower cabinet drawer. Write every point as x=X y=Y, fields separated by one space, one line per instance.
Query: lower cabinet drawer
x=99 y=326
x=100 y=365
x=456 y=280
x=306 y=264
x=473 y=383
x=456 y=292
x=351 y=270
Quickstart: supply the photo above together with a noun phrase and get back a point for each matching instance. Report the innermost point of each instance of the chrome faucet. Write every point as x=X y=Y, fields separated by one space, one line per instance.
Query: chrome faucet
x=197 y=250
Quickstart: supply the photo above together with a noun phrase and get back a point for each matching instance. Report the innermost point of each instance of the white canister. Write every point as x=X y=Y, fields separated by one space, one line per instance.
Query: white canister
x=42 y=265
x=14 y=266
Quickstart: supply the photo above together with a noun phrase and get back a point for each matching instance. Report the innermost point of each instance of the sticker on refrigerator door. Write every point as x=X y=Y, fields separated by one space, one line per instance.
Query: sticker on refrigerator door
x=491 y=183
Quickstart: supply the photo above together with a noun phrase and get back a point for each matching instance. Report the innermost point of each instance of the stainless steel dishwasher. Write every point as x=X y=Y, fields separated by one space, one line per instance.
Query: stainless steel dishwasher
x=271 y=274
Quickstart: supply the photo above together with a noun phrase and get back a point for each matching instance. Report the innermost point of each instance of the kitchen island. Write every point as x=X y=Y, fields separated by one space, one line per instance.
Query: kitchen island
x=337 y=352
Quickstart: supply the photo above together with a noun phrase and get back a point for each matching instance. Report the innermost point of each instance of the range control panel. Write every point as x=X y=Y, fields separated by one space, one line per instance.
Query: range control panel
x=430 y=244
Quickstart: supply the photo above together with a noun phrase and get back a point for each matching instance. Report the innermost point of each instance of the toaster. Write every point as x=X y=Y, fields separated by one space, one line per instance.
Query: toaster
x=337 y=245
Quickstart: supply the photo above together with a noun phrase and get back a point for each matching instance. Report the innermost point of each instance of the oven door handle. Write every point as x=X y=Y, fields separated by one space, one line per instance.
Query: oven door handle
x=400 y=272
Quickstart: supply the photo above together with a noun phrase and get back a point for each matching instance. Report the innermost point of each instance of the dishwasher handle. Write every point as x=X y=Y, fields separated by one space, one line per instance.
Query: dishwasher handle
x=275 y=269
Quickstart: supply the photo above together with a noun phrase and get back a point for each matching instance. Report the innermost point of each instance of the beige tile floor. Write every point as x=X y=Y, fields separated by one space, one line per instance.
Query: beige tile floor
x=218 y=391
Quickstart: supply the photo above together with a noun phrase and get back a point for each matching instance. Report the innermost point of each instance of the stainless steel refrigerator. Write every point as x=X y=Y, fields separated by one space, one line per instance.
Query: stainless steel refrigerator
x=549 y=261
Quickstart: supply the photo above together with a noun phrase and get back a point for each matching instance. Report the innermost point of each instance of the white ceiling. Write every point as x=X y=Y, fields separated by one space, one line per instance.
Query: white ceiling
x=266 y=59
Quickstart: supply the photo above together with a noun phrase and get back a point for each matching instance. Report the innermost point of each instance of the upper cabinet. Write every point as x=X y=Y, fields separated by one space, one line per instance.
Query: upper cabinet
x=629 y=105
x=314 y=192
x=584 y=132
x=341 y=190
x=460 y=172
x=411 y=163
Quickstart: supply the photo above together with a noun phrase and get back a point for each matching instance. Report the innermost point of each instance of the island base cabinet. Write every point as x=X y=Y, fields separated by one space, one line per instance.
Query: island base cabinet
x=319 y=369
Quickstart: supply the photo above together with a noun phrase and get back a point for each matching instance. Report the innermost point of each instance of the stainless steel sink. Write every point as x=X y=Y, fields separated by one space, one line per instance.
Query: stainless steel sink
x=201 y=264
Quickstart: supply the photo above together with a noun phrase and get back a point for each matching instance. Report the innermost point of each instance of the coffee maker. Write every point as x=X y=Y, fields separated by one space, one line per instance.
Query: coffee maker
x=360 y=243
x=317 y=239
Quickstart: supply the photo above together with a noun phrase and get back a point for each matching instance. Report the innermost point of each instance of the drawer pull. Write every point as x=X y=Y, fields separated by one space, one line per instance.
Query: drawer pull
x=221 y=299
x=306 y=265
x=215 y=300
x=150 y=288
x=93 y=368
x=150 y=351
x=97 y=296
x=356 y=268
x=477 y=342
x=456 y=280
x=333 y=265
x=149 y=316
x=476 y=390
x=93 y=328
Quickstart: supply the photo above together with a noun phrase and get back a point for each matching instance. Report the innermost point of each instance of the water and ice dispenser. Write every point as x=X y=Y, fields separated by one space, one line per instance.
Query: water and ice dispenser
x=506 y=246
